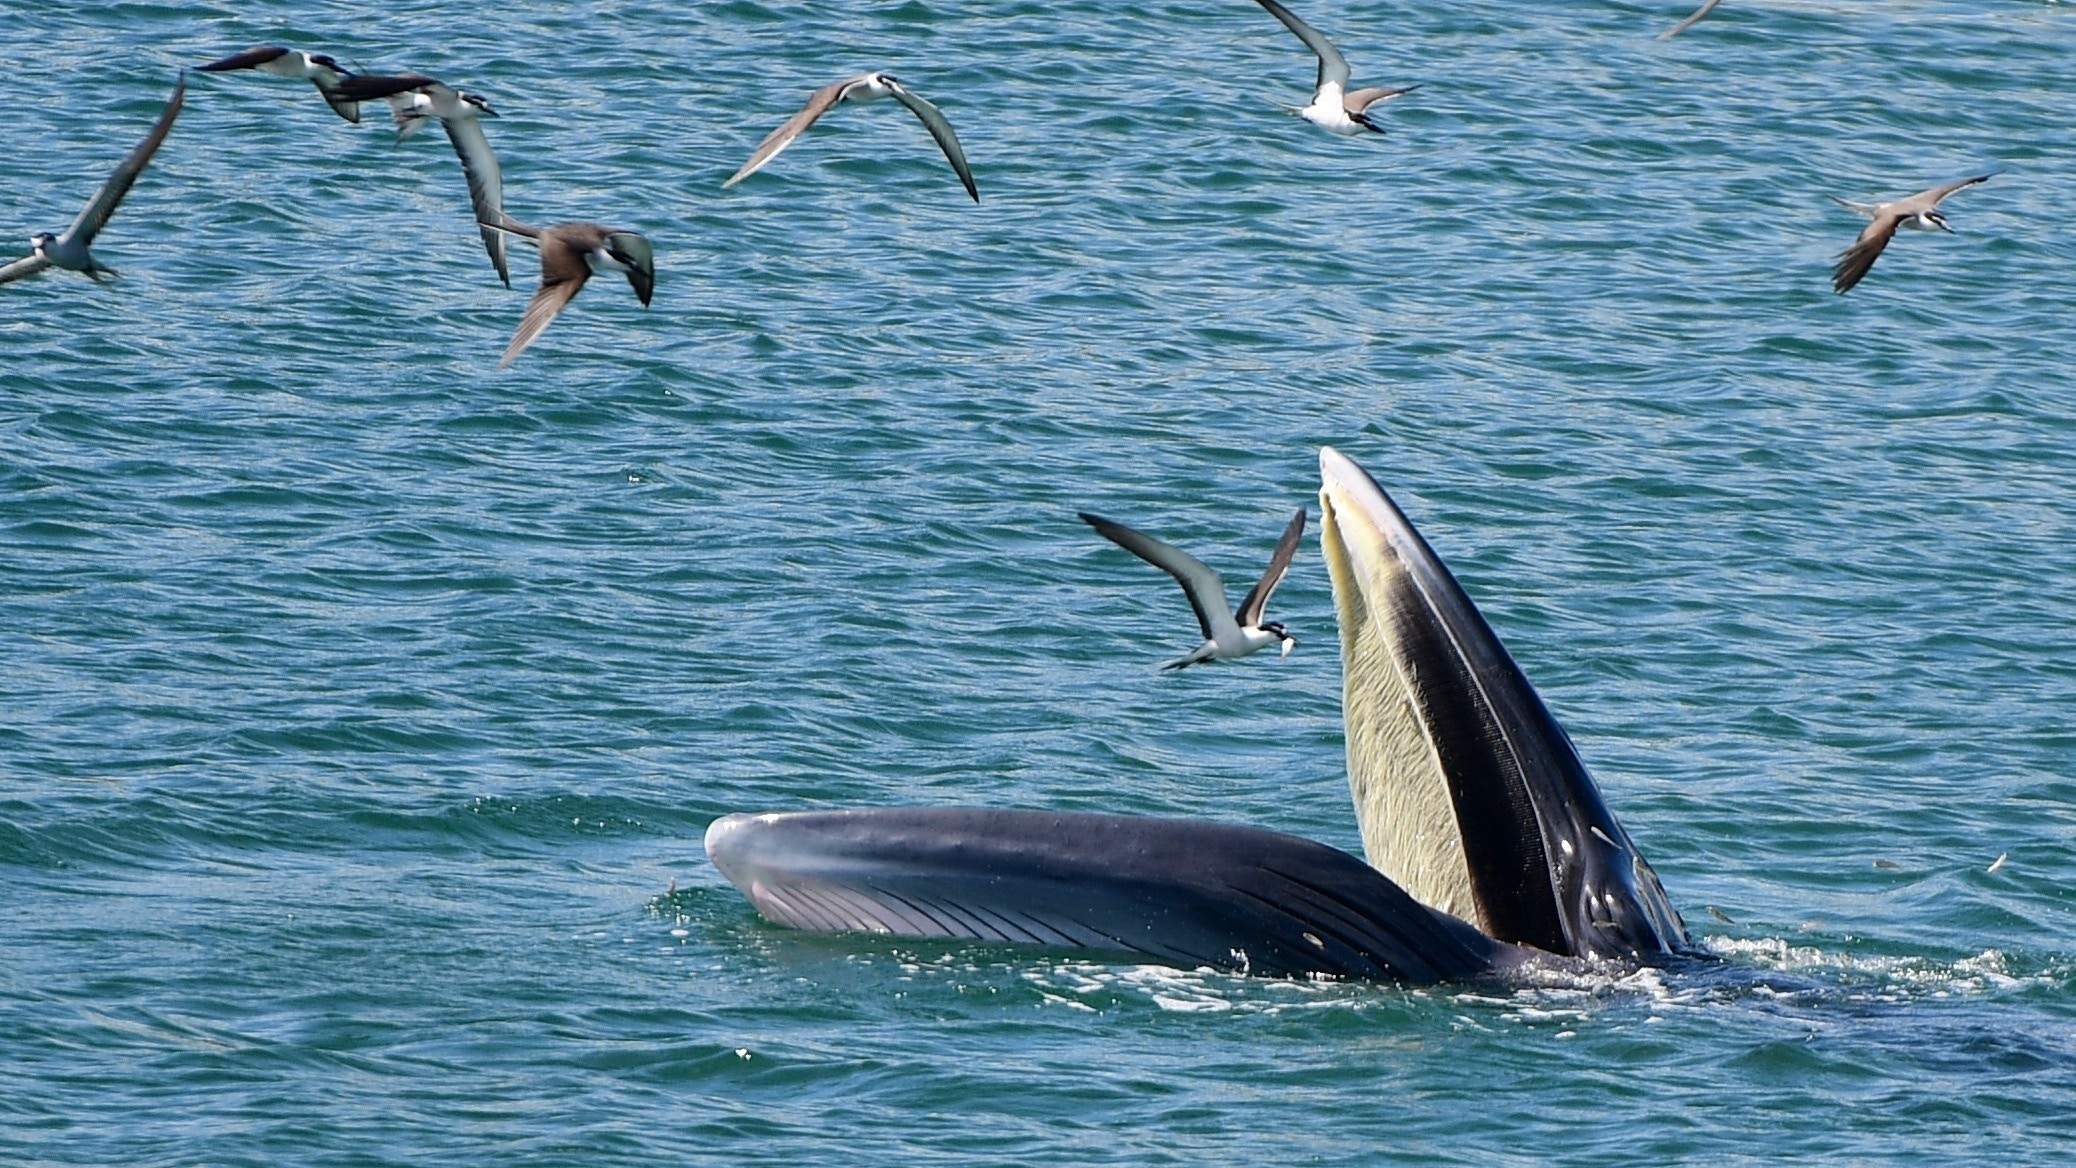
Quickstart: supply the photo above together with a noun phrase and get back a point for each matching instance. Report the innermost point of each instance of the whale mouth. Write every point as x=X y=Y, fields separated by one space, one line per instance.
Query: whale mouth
x=1469 y=794
x=1486 y=839
x=1396 y=772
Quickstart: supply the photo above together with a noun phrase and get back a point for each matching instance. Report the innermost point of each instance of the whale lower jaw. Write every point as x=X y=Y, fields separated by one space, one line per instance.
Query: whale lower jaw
x=1185 y=892
x=1402 y=797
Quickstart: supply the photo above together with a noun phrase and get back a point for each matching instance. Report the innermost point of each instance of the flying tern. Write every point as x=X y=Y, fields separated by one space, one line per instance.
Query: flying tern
x=1227 y=633
x=570 y=253
x=70 y=249
x=414 y=99
x=863 y=87
x=1919 y=212
x=1334 y=107
x=316 y=68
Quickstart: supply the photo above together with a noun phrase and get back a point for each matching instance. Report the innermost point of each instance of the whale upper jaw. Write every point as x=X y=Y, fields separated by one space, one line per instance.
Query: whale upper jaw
x=1469 y=794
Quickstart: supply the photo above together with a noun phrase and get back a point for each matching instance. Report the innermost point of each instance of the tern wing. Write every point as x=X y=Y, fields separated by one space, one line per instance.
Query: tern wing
x=818 y=104
x=1870 y=210
x=249 y=59
x=1333 y=66
x=28 y=265
x=1706 y=7
x=1256 y=601
x=510 y=226
x=1937 y=193
x=1362 y=99
x=486 y=185
x=345 y=96
x=371 y=86
x=563 y=272
x=1206 y=592
x=940 y=129
x=1854 y=262
x=95 y=214
x=343 y=106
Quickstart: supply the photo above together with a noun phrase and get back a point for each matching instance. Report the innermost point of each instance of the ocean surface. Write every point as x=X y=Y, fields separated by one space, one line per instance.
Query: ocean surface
x=362 y=706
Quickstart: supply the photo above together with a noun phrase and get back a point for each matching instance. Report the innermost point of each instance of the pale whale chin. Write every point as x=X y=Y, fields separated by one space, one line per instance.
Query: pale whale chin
x=1395 y=776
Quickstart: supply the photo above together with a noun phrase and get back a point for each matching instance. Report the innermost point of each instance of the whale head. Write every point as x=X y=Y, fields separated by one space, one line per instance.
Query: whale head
x=1469 y=794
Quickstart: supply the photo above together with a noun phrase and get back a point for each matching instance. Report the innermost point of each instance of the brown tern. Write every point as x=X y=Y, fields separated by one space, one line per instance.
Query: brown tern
x=570 y=253
x=1920 y=212
x=863 y=87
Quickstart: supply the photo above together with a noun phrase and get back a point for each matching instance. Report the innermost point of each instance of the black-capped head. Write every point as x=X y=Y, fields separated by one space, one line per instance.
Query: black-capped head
x=631 y=249
x=1282 y=634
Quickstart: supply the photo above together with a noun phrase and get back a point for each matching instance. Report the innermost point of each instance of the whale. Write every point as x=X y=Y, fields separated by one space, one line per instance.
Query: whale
x=1487 y=848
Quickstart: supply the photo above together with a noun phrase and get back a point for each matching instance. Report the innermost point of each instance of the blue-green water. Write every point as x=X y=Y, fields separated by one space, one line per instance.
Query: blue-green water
x=361 y=707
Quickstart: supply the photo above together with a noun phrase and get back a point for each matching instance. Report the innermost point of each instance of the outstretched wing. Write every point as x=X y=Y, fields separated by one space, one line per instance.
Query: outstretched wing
x=486 y=185
x=818 y=103
x=1706 y=7
x=345 y=107
x=95 y=214
x=249 y=59
x=1940 y=192
x=1206 y=592
x=1249 y=614
x=1359 y=100
x=511 y=226
x=1180 y=891
x=1332 y=65
x=1855 y=262
x=28 y=265
x=563 y=272
x=348 y=92
x=371 y=86
x=940 y=129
